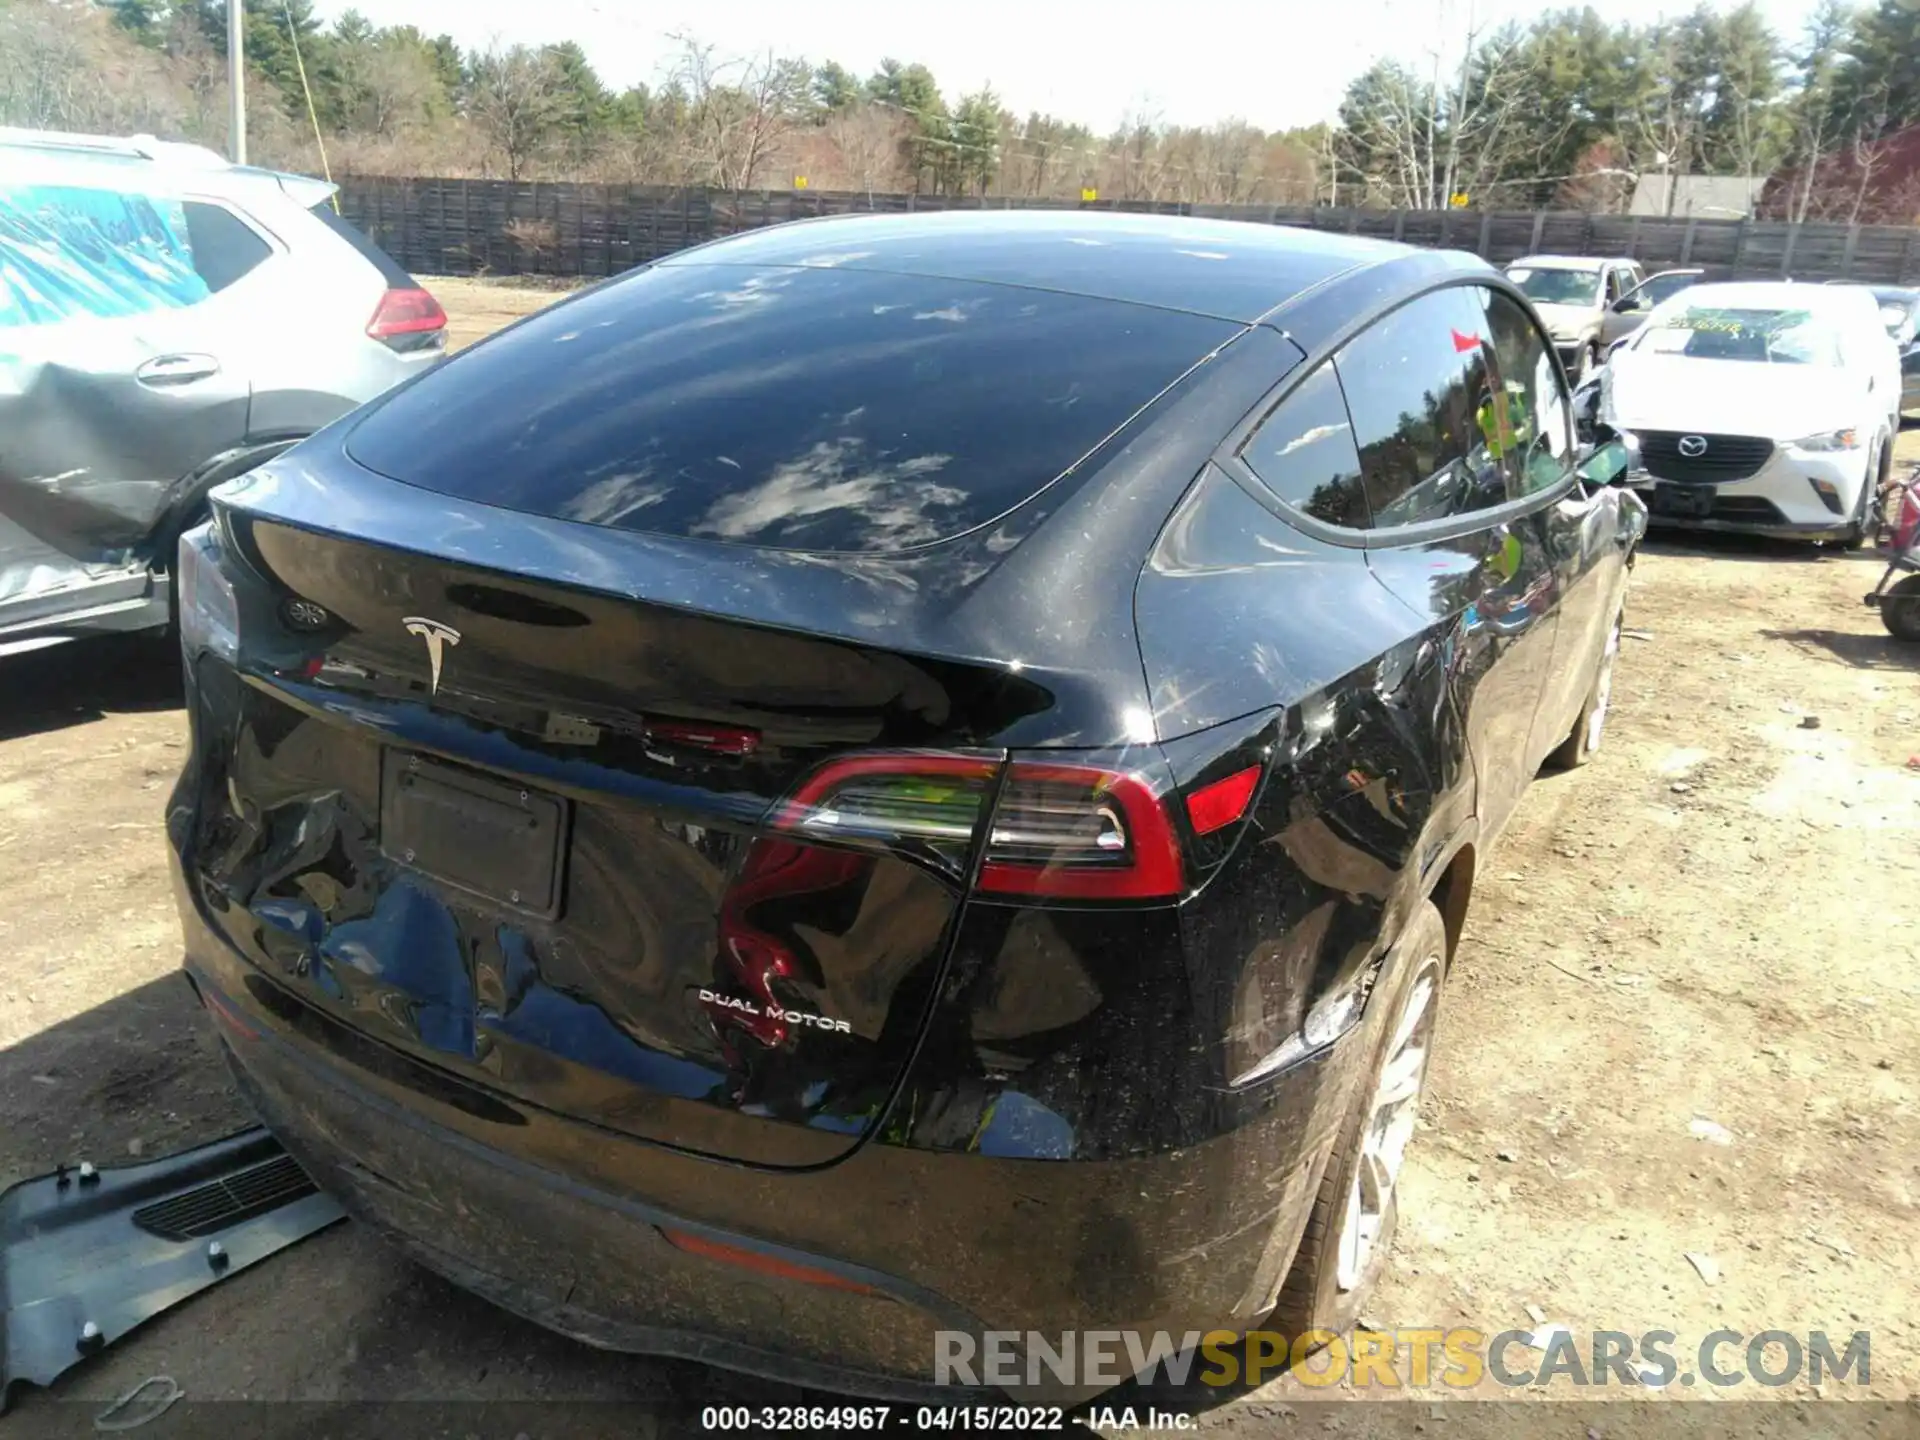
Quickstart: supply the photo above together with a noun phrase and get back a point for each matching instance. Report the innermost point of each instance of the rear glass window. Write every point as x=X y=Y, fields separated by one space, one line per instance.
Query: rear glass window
x=389 y=268
x=805 y=408
x=224 y=249
x=1304 y=452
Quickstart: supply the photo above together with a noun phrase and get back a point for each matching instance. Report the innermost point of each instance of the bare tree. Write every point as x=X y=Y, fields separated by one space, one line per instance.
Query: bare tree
x=61 y=69
x=1464 y=125
x=1137 y=161
x=867 y=143
x=388 y=87
x=514 y=100
x=740 y=110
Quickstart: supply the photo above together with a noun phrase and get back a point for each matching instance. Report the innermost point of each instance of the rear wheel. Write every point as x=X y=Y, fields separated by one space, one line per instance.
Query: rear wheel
x=1900 y=609
x=1350 y=1231
x=1584 y=739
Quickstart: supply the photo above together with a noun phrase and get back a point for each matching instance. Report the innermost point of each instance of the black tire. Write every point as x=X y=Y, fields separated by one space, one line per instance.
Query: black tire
x=1589 y=727
x=1316 y=1296
x=1900 y=609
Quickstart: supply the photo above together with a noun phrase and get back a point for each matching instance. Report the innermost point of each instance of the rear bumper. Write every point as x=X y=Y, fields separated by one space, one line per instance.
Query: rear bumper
x=585 y=1263
x=567 y=1223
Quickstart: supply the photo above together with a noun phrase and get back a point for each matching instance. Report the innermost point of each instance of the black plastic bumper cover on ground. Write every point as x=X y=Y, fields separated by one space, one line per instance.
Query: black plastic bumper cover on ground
x=87 y=1256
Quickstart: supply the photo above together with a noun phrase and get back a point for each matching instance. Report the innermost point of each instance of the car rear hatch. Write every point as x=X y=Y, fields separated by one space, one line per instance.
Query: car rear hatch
x=650 y=829
x=563 y=843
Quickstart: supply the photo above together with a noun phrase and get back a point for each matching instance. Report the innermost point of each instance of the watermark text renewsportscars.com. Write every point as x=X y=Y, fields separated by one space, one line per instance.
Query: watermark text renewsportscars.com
x=1459 y=1358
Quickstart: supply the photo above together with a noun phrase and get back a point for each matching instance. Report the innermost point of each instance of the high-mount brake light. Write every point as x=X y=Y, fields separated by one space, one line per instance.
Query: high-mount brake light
x=716 y=739
x=1060 y=832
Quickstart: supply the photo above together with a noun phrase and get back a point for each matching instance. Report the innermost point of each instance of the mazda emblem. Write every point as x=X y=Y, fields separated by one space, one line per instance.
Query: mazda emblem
x=1693 y=446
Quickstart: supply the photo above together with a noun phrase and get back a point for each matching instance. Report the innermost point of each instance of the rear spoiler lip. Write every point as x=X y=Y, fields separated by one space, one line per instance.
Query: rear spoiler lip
x=304 y=190
x=318 y=487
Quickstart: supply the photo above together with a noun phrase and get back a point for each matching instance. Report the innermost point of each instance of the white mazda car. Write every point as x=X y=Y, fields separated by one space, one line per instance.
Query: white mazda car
x=1759 y=406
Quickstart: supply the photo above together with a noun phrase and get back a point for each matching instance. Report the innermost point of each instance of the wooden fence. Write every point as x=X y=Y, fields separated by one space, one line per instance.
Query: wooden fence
x=503 y=227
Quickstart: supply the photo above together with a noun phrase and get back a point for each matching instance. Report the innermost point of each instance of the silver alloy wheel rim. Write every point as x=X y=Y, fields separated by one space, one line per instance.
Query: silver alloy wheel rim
x=1603 y=690
x=1389 y=1126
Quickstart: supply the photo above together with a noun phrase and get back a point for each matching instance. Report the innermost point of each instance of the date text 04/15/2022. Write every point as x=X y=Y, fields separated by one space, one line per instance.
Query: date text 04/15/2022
x=933 y=1419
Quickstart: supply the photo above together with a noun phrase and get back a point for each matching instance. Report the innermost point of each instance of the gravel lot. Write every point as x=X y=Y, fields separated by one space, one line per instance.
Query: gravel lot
x=1717 y=920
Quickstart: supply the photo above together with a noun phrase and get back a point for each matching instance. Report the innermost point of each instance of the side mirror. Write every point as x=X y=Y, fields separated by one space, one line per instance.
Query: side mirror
x=1626 y=305
x=1606 y=464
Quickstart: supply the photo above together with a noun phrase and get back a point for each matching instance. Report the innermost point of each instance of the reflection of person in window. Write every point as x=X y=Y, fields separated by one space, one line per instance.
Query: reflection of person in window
x=1502 y=426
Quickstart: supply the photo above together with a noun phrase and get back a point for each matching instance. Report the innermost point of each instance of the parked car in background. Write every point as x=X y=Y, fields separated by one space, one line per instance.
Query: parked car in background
x=1626 y=314
x=167 y=320
x=1759 y=406
x=1573 y=294
x=894 y=774
x=1900 y=313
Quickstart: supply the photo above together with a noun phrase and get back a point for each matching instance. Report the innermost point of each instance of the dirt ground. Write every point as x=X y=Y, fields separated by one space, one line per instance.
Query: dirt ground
x=1718 y=920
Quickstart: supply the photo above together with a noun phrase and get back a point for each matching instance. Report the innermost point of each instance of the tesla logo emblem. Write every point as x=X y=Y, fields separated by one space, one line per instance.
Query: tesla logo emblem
x=1693 y=446
x=438 y=637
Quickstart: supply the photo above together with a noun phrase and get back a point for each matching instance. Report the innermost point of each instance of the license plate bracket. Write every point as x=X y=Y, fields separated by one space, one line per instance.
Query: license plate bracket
x=1693 y=502
x=493 y=839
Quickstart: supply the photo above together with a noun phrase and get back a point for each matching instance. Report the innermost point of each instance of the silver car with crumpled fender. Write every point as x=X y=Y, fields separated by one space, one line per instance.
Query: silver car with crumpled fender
x=167 y=320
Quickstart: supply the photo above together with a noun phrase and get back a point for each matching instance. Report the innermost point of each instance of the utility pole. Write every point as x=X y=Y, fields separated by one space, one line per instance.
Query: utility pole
x=236 y=84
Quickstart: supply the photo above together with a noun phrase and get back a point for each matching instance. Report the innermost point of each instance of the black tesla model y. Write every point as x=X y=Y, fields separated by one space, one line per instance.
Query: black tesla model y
x=894 y=775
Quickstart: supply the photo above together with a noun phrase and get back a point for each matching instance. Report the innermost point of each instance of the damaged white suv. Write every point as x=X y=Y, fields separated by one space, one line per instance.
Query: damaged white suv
x=167 y=320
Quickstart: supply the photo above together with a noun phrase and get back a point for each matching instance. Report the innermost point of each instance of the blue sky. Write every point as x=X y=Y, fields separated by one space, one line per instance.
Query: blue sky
x=1277 y=64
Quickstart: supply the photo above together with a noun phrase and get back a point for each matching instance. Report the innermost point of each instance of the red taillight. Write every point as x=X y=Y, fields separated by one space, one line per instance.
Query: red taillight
x=1216 y=806
x=761 y=1264
x=1071 y=832
x=406 y=312
x=1063 y=832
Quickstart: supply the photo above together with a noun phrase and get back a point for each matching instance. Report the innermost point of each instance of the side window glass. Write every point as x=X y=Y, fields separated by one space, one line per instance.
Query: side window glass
x=1304 y=453
x=1532 y=421
x=223 y=247
x=67 y=252
x=1420 y=389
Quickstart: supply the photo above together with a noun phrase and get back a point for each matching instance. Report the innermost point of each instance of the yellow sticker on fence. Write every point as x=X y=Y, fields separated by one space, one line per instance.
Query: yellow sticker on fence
x=1088 y=194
